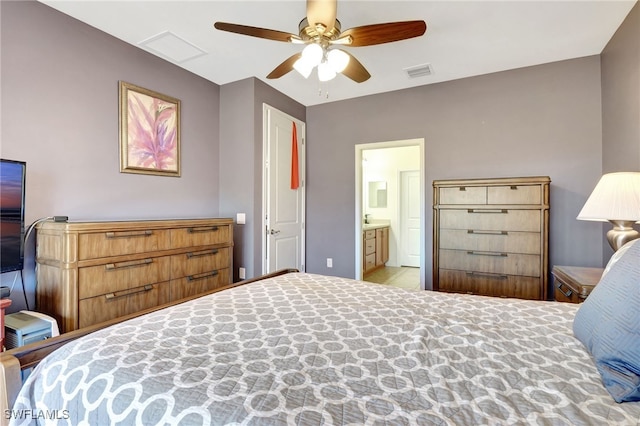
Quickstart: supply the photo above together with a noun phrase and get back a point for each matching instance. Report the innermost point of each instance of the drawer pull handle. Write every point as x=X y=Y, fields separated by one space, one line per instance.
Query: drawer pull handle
x=202 y=253
x=202 y=276
x=513 y=188
x=202 y=229
x=567 y=293
x=111 y=296
x=475 y=231
x=132 y=264
x=487 y=253
x=462 y=188
x=126 y=234
x=487 y=274
x=494 y=211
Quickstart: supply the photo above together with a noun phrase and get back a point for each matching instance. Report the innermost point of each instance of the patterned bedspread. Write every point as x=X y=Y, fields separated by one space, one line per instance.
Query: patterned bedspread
x=308 y=349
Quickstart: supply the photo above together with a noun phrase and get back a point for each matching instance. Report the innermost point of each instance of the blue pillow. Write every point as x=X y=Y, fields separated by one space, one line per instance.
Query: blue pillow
x=608 y=324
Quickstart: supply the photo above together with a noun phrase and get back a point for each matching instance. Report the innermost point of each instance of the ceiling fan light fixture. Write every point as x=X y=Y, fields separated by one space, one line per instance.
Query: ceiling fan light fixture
x=326 y=71
x=338 y=60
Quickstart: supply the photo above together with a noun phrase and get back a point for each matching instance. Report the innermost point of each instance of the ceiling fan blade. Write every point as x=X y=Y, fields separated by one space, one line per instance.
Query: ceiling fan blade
x=369 y=35
x=322 y=12
x=256 y=32
x=355 y=70
x=284 y=67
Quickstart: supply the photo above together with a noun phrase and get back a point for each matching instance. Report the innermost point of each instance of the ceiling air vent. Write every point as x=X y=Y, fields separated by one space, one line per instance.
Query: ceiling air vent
x=172 y=47
x=419 y=70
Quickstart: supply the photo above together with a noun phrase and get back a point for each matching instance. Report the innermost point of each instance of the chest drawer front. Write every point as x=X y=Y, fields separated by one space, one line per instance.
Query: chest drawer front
x=196 y=284
x=197 y=262
x=200 y=236
x=500 y=241
x=116 y=243
x=514 y=194
x=491 y=220
x=119 y=276
x=463 y=195
x=369 y=234
x=491 y=262
x=490 y=284
x=113 y=305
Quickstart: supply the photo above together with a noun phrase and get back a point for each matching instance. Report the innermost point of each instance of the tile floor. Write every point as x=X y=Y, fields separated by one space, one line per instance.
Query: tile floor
x=402 y=277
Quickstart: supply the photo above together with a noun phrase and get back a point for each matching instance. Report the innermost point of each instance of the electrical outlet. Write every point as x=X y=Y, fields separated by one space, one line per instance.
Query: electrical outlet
x=329 y=262
x=242 y=273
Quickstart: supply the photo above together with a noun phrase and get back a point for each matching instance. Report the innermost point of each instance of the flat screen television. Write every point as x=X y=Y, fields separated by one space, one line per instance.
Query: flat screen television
x=12 y=179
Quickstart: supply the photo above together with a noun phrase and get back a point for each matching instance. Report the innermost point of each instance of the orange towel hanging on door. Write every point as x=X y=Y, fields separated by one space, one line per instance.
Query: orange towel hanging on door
x=295 y=174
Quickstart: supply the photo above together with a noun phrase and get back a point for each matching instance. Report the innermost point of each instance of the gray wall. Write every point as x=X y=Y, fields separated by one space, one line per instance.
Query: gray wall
x=620 y=62
x=60 y=115
x=241 y=122
x=543 y=120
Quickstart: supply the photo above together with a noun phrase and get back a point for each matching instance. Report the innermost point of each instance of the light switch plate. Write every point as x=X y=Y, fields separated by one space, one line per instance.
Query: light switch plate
x=241 y=218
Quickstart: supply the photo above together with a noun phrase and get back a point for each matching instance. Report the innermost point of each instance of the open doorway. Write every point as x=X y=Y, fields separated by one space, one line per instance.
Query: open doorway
x=390 y=200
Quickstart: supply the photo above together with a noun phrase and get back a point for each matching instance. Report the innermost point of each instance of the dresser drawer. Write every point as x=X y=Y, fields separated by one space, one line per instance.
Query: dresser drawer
x=463 y=195
x=117 y=243
x=514 y=194
x=119 y=276
x=200 y=236
x=491 y=262
x=491 y=219
x=500 y=241
x=112 y=305
x=489 y=284
x=199 y=283
x=197 y=262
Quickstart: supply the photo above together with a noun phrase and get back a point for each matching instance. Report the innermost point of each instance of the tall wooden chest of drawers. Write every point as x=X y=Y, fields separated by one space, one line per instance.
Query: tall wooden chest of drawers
x=90 y=272
x=491 y=236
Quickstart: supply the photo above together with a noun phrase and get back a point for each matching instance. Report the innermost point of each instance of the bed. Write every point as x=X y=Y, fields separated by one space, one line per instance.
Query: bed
x=307 y=349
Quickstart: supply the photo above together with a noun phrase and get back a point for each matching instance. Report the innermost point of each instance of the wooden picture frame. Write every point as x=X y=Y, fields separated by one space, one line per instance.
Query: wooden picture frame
x=149 y=131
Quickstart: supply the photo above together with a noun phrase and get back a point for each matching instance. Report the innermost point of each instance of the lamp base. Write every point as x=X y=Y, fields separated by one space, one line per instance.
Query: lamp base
x=621 y=233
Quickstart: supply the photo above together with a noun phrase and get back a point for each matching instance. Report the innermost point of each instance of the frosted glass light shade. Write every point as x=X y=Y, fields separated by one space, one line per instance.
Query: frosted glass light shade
x=615 y=197
x=312 y=54
x=338 y=59
x=303 y=67
x=325 y=72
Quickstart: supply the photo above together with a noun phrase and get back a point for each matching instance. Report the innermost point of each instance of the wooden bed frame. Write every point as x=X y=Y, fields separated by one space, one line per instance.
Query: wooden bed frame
x=12 y=362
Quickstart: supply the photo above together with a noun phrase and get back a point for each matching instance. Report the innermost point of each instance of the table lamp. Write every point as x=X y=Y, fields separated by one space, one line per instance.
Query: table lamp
x=616 y=198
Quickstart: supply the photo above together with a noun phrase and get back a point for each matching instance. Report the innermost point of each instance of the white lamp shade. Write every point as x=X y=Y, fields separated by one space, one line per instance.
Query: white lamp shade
x=615 y=197
x=325 y=72
x=338 y=59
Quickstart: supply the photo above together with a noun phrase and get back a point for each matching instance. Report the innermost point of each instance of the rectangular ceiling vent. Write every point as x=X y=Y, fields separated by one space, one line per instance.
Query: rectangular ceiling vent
x=419 y=70
x=172 y=47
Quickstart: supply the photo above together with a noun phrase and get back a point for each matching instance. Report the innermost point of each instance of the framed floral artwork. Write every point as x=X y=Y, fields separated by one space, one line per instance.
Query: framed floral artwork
x=149 y=132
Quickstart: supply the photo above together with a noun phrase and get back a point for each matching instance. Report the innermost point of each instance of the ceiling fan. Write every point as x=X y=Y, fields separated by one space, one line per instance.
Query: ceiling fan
x=320 y=31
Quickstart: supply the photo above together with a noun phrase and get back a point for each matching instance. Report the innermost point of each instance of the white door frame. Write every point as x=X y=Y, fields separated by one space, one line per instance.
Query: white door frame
x=359 y=208
x=301 y=125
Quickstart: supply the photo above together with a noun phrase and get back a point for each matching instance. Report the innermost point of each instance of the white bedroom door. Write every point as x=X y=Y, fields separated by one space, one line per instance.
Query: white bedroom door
x=410 y=218
x=284 y=237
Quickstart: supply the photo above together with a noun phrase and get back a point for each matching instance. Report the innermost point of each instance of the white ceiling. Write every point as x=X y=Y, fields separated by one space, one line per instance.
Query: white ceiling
x=463 y=38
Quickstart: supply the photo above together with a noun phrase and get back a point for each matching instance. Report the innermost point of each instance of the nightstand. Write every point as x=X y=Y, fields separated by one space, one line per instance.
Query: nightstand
x=4 y=303
x=573 y=284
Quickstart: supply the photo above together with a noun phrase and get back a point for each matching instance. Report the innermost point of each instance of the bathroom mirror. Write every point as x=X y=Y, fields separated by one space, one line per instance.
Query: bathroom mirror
x=378 y=194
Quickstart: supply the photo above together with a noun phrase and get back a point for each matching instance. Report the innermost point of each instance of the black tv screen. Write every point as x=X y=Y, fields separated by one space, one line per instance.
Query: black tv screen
x=12 y=176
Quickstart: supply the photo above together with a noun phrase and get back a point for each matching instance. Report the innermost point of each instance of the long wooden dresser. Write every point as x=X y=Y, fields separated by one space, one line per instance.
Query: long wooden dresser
x=90 y=272
x=491 y=236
